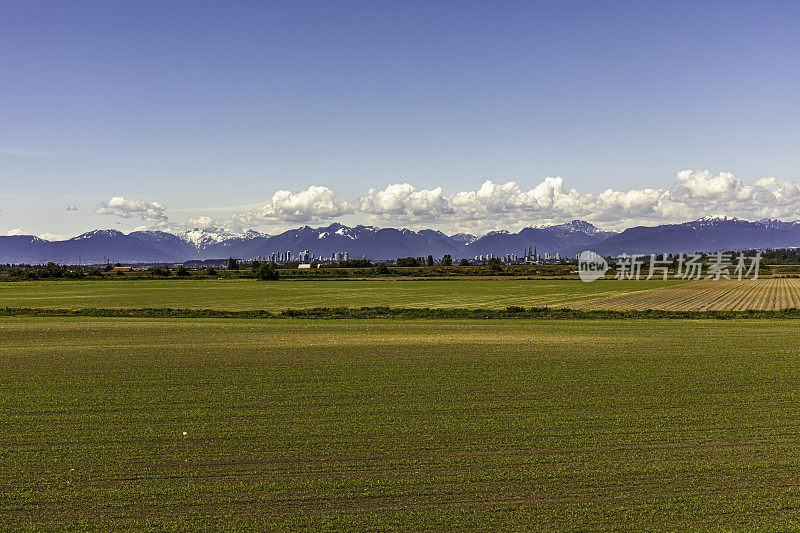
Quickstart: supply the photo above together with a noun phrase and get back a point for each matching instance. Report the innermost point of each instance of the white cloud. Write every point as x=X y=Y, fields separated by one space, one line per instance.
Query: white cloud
x=201 y=222
x=129 y=208
x=699 y=193
x=313 y=205
x=46 y=236
x=53 y=237
x=71 y=208
x=403 y=201
x=691 y=195
x=493 y=205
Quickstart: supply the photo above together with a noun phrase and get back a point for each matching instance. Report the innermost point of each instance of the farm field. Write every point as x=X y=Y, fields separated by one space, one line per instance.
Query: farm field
x=252 y=294
x=398 y=425
x=723 y=295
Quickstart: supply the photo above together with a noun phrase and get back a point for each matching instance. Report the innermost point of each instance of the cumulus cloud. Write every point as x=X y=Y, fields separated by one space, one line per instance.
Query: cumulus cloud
x=201 y=222
x=693 y=194
x=46 y=236
x=71 y=208
x=53 y=237
x=403 y=201
x=313 y=205
x=492 y=205
x=129 y=208
x=701 y=192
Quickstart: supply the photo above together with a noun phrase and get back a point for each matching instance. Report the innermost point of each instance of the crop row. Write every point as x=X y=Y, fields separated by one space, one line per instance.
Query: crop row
x=724 y=295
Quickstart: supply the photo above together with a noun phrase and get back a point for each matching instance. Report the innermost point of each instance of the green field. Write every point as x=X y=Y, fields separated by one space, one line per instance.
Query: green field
x=543 y=425
x=251 y=294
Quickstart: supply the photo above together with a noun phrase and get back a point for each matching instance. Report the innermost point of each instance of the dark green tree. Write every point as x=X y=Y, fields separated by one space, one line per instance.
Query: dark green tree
x=52 y=270
x=74 y=274
x=447 y=260
x=181 y=271
x=267 y=271
x=233 y=264
x=407 y=262
x=430 y=261
x=352 y=263
x=495 y=265
x=463 y=263
x=382 y=269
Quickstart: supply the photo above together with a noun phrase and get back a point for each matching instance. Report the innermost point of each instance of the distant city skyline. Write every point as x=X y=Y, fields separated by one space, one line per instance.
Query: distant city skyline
x=454 y=116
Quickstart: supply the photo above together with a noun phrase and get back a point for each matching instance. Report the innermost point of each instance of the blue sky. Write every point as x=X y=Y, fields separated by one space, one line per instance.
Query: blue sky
x=206 y=109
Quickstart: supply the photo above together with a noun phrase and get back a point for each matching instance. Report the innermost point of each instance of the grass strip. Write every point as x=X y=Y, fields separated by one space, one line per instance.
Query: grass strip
x=401 y=313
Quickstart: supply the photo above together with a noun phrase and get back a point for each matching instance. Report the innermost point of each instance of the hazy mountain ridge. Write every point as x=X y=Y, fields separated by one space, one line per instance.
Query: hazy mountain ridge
x=706 y=234
x=98 y=246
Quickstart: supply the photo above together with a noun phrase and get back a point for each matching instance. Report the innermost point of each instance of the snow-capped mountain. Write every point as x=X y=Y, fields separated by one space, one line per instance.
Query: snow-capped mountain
x=706 y=234
x=166 y=243
x=253 y=234
x=779 y=224
x=578 y=226
x=463 y=238
x=567 y=239
x=99 y=234
x=202 y=237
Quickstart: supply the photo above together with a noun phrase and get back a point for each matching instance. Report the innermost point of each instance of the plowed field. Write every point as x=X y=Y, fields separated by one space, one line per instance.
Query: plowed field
x=760 y=294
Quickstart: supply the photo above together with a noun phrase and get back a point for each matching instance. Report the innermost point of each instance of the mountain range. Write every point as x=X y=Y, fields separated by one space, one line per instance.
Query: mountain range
x=99 y=246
